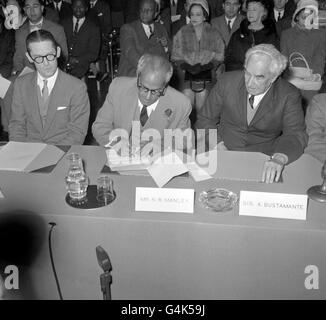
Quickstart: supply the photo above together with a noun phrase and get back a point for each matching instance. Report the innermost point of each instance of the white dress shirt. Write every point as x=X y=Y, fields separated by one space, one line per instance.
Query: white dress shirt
x=35 y=26
x=150 y=108
x=50 y=83
x=232 y=21
x=80 y=22
x=147 y=30
x=276 y=12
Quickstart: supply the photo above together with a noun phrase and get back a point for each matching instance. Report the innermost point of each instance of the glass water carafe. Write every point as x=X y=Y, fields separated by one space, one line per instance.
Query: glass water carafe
x=76 y=179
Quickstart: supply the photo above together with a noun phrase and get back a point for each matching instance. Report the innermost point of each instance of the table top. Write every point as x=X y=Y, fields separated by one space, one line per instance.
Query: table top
x=45 y=192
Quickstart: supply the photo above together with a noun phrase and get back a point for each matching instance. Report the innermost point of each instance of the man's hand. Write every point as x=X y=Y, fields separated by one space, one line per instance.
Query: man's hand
x=221 y=146
x=273 y=168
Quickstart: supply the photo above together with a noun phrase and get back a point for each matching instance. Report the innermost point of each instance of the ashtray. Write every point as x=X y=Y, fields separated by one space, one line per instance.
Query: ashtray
x=218 y=199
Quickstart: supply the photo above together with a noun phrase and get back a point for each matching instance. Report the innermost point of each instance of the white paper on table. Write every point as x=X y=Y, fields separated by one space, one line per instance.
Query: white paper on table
x=165 y=168
x=26 y=70
x=16 y=156
x=4 y=86
x=198 y=173
x=120 y=163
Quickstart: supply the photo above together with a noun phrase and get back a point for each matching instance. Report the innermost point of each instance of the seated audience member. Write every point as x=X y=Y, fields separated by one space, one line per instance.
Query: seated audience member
x=51 y=14
x=48 y=105
x=142 y=36
x=256 y=110
x=183 y=20
x=216 y=8
x=308 y=40
x=254 y=30
x=197 y=49
x=35 y=21
x=63 y=8
x=147 y=100
x=100 y=13
x=163 y=15
x=316 y=127
x=229 y=22
x=7 y=47
x=84 y=39
x=281 y=15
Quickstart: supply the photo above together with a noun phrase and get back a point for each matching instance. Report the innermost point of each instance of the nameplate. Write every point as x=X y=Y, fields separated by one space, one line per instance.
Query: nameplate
x=273 y=205
x=165 y=200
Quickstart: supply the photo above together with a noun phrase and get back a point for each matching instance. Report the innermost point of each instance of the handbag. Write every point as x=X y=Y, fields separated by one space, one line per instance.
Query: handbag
x=303 y=77
x=199 y=81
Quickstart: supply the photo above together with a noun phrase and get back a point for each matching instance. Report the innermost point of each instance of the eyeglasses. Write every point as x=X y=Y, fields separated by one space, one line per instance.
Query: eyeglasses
x=49 y=57
x=153 y=92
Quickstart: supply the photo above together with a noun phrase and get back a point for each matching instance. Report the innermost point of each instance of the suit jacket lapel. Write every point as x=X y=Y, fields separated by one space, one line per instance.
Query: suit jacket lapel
x=128 y=107
x=52 y=107
x=242 y=103
x=158 y=119
x=140 y=30
x=266 y=105
x=33 y=104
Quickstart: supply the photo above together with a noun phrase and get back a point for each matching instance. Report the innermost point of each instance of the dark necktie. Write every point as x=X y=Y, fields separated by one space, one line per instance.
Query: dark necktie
x=251 y=101
x=76 y=27
x=279 y=16
x=150 y=31
x=229 y=26
x=143 y=115
x=56 y=7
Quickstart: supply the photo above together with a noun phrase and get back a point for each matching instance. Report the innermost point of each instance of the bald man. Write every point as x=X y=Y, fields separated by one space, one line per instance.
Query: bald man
x=146 y=100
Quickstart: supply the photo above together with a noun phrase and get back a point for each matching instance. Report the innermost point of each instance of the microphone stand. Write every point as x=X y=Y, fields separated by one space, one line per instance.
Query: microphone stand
x=105 y=278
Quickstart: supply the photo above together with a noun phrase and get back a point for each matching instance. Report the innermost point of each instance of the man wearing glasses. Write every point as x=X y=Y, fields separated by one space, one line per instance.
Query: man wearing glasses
x=48 y=105
x=146 y=100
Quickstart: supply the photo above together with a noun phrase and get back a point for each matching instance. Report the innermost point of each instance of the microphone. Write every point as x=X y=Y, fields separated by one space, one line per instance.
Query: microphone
x=318 y=193
x=103 y=259
x=105 y=278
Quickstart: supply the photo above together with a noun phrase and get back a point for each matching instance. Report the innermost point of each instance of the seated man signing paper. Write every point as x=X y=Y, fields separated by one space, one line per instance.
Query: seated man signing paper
x=144 y=108
x=48 y=105
x=255 y=110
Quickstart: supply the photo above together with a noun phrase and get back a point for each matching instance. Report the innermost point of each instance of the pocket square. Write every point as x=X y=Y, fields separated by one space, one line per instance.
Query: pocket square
x=100 y=14
x=61 y=108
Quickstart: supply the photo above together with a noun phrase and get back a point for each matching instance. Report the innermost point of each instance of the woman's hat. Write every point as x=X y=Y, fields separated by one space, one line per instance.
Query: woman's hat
x=203 y=3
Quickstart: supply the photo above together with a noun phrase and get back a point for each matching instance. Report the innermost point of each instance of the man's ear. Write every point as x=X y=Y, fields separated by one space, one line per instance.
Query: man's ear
x=29 y=57
x=58 y=52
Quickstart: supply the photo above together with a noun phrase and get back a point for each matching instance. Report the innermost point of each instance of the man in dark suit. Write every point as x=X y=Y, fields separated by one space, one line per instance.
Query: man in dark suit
x=256 y=110
x=35 y=21
x=230 y=21
x=84 y=39
x=216 y=8
x=48 y=105
x=62 y=7
x=142 y=36
x=100 y=13
x=146 y=100
x=281 y=15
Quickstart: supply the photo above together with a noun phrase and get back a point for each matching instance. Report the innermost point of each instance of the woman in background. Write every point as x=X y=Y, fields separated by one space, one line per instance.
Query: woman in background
x=307 y=39
x=254 y=30
x=198 y=50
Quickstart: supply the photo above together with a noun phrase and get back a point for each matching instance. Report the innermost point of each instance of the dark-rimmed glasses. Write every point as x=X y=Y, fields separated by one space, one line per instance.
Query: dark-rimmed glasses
x=39 y=59
x=154 y=92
